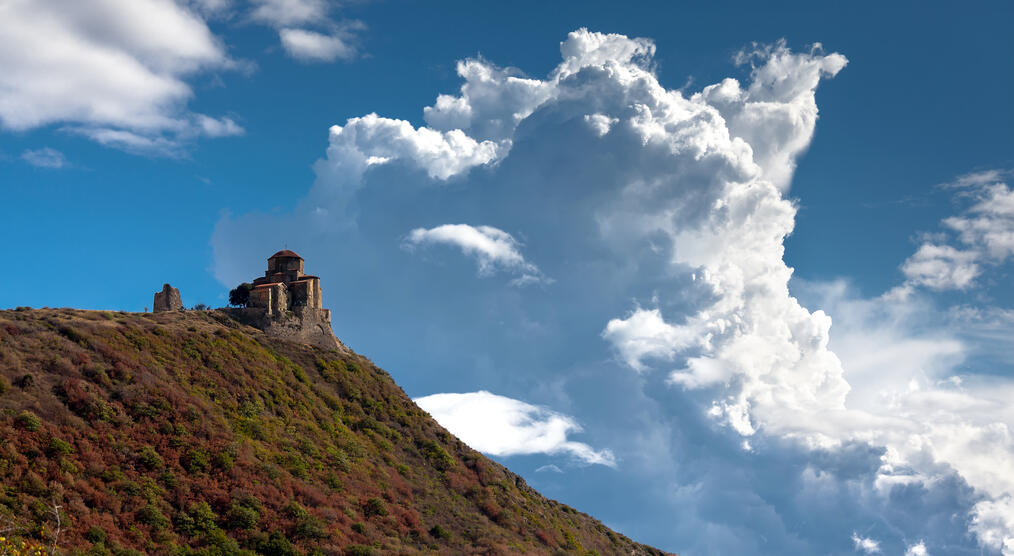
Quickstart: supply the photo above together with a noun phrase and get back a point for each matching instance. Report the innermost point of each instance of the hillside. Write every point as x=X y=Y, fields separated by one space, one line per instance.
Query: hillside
x=189 y=433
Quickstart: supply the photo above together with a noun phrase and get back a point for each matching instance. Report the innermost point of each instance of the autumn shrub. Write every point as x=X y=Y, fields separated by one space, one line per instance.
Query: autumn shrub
x=545 y=537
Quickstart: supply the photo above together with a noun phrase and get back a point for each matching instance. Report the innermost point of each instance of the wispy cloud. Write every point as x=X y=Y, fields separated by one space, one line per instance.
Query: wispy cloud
x=44 y=158
x=308 y=30
x=865 y=545
x=493 y=249
x=983 y=235
x=313 y=46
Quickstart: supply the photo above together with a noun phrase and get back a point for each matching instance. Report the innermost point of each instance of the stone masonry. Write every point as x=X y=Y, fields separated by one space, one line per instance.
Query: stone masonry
x=167 y=300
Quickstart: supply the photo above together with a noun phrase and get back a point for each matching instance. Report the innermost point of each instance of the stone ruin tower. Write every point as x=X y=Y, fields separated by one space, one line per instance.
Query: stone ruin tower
x=286 y=303
x=167 y=300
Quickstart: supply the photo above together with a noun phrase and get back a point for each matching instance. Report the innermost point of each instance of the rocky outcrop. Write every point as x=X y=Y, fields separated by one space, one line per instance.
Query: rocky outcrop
x=305 y=325
x=167 y=300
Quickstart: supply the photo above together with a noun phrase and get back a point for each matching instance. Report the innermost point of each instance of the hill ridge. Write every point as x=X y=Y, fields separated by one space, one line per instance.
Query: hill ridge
x=191 y=433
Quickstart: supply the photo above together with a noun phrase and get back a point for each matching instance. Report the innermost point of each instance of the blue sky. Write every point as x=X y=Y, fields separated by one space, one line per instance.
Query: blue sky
x=622 y=254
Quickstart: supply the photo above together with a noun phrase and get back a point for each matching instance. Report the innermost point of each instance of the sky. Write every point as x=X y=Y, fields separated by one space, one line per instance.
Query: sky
x=732 y=278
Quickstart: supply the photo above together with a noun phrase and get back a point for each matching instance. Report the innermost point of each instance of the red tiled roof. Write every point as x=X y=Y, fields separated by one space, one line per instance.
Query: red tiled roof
x=284 y=253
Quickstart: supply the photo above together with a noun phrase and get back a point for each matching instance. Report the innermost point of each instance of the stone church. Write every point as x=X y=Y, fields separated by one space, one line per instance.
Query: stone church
x=287 y=303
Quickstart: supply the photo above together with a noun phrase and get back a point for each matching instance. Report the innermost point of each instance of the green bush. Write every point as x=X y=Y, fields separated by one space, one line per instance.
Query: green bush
x=439 y=532
x=96 y=534
x=226 y=459
x=240 y=516
x=295 y=510
x=358 y=550
x=204 y=517
x=438 y=457
x=149 y=458
x=196 y=460
x=276 y=545
x=28 y=421
x=5 y=385
x=57 y=447
x=151 y=515
x=334 y=482
x=309 y=527
x=374 y=506
x=199 y=518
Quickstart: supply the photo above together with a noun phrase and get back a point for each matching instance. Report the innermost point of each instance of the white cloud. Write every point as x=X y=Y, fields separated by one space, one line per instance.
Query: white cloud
x=372 y=140
x=600 y=123
x=903 y=358
x=989 y=223
x=866 y=545
x=44 y=158
x=941 y=267
x=491 y=104
x=977 y=179
x=108 y=65
x=218 y=127
x=985 y=229
x=314 y=46
x=307 y=30
x=493 y=249
x=917 y=549
x=993 y=524
x=285 y=13
x=503 y=426
x=645 y=335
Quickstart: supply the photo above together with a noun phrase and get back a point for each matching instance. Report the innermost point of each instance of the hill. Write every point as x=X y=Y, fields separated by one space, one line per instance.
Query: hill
x=190 y=433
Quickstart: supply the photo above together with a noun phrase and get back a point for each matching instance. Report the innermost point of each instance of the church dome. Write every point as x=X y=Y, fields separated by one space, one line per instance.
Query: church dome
x=285 y=253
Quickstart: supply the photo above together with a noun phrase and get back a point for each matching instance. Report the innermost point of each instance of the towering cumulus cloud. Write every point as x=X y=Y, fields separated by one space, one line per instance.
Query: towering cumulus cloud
x=660 y=217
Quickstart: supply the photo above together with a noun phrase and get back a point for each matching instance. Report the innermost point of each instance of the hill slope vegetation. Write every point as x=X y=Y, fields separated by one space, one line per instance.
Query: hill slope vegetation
x=188 y=433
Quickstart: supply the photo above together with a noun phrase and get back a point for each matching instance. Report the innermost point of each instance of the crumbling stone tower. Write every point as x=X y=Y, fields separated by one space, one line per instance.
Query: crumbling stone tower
x=167 y=300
